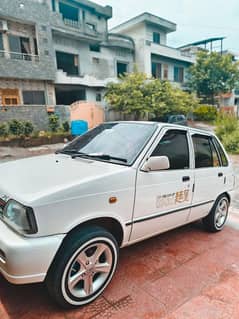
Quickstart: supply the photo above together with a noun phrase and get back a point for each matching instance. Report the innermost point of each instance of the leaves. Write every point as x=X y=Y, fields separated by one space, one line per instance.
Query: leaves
x=213 y=74
x=136 y=94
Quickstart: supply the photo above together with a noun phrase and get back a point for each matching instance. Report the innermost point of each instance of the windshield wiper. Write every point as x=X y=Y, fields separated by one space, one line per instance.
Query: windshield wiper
x=101 y=156
x=69 y=152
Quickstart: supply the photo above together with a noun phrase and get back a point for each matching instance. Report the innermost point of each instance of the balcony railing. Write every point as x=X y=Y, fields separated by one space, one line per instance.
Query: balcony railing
x=72 y=23
x=19 y=56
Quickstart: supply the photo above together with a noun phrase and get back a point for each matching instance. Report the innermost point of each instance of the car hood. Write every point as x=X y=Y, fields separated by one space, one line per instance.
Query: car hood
x=30 y=179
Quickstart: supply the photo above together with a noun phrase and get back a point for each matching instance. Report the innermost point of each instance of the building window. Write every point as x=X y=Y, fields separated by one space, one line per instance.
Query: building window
x=165 y=72
x=35 y=47
x=10 y=97
x=34 y=97
x=156 y=70
x=68 y=12
x=94 y=47
x=20 y=47
x=96 y=60
x=156 y=37
x=53 y=5
x=98 y=97
x=91 y=26
x=178 y=74
x=122 y=68
x=67 y=62
x=1 y=46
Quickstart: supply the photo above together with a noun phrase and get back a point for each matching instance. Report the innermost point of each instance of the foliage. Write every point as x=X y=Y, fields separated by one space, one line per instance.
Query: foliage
x=231 y=142
x=54 y=123
x=227 y=129
x=16 y=127
x=205 y=113
x=28 y=128
x=3 y=129
x=136 y=94
x=66 y=126
x=213 y=74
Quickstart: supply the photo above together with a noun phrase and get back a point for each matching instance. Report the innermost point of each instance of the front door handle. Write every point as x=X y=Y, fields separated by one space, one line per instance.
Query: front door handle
x=220 y=174
x=186 y=178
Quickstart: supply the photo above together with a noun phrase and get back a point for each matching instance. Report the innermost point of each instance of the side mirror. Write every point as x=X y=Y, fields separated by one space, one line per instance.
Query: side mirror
x=156 y=163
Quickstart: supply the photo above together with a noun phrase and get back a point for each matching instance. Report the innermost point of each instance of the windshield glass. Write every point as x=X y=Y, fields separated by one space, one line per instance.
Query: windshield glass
x=119 y=141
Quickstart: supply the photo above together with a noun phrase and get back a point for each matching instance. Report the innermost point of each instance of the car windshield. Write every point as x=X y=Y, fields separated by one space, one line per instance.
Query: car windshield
x=117 y=142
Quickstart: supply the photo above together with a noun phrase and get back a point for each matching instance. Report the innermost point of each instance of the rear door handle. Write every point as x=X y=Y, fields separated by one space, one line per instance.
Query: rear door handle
x=220 y=174
x=186 y=178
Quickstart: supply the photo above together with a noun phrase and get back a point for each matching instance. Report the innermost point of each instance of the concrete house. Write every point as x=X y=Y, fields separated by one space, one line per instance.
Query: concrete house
x=152 y=54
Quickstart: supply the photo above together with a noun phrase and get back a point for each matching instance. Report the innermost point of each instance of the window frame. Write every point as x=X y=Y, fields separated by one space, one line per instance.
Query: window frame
x=211 y=141
x=156 y=35
x=162 y=133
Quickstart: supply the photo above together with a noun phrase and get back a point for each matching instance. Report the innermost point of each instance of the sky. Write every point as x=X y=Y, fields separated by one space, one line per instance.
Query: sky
x=196 y=19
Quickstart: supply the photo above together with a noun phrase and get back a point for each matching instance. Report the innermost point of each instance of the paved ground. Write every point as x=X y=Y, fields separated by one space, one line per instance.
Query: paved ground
x=185 y=273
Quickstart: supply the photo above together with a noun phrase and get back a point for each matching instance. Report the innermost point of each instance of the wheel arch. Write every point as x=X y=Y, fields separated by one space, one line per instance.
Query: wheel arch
x=109 y=223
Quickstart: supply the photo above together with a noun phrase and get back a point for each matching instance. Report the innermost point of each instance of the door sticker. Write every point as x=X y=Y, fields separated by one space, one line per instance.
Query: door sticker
x=172 y=199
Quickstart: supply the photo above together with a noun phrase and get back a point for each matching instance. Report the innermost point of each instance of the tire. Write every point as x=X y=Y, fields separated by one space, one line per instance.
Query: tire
x=83 y=267
x=217 y=217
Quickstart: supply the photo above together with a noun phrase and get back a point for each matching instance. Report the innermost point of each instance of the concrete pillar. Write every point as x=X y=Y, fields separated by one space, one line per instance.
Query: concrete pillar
x=6 y=47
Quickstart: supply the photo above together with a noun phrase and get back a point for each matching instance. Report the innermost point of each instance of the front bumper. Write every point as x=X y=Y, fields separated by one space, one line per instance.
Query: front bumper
x=26 y=260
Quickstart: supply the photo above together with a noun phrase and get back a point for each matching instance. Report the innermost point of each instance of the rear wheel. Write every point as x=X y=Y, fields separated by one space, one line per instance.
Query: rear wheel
x=217 y=218
x=83 y=267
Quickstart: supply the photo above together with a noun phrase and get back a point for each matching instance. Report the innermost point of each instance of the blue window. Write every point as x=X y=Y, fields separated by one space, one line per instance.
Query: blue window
x=156 y=37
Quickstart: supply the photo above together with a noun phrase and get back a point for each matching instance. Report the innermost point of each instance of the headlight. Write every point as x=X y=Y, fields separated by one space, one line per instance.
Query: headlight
x=19 y=217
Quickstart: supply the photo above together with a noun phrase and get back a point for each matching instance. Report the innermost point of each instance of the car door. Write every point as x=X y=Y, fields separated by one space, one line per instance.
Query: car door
x=163 y=198
x=209 y=175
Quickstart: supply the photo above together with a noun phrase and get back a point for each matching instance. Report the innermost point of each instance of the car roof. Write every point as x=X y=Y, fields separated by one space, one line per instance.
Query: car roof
x=161 y=125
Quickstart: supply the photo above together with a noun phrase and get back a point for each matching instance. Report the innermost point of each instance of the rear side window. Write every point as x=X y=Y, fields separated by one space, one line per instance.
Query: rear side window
x=221 y=152
x=205 y=152
x=174 y=145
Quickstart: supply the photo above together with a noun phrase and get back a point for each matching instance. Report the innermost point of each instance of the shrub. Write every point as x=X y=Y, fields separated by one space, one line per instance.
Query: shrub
x=205 y=113
x=66 y=126
x=16 y=127
x=231 y=142
x=225 y=125
x=54 y=123
x=3 y=129
x=28 y=128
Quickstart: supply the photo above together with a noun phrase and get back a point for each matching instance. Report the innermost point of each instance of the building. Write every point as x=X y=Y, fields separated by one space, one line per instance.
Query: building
x=152 y=54
x=55 y=52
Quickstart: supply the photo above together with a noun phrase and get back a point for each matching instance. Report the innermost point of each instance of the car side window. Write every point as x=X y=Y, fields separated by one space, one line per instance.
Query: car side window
x=223 y=157
x=205 y=152
x=174 y=145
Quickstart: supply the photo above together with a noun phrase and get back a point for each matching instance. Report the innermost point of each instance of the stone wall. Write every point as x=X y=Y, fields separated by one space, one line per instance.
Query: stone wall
x=36 y=114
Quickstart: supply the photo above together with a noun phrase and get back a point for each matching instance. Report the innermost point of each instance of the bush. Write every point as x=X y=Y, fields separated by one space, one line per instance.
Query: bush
x=227 y=129
x=231 y=142
x=3 y=130
x=54 y=123
x=66 y=126
x=28 y=128
x=225 y=125
x=205 y=113
x=16 y=127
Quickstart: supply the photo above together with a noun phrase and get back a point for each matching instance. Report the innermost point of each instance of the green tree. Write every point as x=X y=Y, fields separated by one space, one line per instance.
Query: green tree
x=138 y=95
x=213 y=74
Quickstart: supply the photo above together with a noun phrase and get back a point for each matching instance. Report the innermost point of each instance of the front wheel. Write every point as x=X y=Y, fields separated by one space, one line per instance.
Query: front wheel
x=217 y=218
x=83 y=267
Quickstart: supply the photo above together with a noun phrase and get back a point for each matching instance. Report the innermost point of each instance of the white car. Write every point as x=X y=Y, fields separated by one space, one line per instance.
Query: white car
x=64 y=216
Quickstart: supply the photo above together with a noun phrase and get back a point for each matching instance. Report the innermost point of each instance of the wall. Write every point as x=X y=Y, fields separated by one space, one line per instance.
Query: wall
x=28 y=85
x=36 y=114
x=37 y=15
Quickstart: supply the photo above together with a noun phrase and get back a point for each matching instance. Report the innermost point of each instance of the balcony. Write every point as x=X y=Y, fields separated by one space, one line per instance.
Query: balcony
x=171 y=53
x=121 y=41
x=72 y=23
x=19 y=56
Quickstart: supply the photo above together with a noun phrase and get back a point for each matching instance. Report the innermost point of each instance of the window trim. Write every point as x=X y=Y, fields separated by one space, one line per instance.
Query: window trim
x=158 y=138
x=210 y=138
